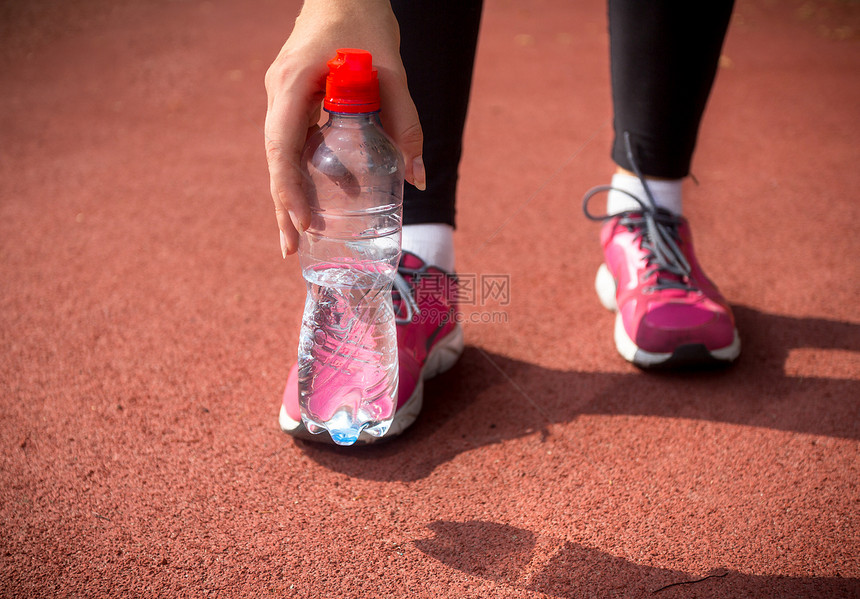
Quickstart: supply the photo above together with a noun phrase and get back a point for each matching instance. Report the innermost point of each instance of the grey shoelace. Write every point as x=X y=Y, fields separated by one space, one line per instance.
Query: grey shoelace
x=657 y=229
x=405 y=291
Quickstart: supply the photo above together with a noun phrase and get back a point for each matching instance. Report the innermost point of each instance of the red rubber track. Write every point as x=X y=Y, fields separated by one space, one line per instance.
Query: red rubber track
x=147 y=323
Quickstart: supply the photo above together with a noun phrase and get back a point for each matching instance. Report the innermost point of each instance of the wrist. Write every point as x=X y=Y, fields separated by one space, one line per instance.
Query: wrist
x=338 y=9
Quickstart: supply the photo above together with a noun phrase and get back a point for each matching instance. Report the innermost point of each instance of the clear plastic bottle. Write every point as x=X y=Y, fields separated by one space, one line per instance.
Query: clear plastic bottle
x=348 y=368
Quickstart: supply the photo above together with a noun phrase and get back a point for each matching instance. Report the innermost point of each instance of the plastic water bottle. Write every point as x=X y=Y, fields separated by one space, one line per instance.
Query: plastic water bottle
x=348 y=368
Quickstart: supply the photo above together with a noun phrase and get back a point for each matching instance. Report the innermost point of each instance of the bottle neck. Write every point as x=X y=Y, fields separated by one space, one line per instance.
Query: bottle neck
x=353 y=119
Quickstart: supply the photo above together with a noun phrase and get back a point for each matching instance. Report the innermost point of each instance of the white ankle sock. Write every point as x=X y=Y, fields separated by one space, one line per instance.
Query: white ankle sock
x=667 y=194
x=432 y=242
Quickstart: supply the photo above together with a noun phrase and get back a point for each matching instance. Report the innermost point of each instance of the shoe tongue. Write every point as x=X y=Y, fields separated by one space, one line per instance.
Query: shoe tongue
x=410 y=260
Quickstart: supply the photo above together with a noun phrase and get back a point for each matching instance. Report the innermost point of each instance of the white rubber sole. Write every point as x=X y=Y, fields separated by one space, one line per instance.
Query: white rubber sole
x=605 y=286
x=442 y=357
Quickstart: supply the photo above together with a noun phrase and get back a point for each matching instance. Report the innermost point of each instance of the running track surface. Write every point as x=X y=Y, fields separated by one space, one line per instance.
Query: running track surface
x=147 y=324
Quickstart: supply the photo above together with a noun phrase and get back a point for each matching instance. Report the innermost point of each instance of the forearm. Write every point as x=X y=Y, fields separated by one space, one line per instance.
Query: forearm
x=349 y=19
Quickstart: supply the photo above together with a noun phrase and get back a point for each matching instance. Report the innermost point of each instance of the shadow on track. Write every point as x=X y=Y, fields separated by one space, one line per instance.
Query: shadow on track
x=488 y=398
x=558 y=568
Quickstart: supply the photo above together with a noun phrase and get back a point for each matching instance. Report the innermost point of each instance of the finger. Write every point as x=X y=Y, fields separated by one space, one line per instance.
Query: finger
x=286 y=131
x=289 y=236
x=400 y=120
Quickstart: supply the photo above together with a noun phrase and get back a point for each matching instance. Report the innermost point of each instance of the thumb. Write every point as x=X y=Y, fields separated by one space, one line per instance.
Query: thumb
x=400 y=120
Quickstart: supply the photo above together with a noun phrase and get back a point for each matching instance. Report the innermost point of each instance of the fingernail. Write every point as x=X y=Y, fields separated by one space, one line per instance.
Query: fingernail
x=418 y=174
x=296 y=222
x=283 y=245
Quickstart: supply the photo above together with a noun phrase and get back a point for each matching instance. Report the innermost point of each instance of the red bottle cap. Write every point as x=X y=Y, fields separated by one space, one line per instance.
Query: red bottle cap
x=351 y=85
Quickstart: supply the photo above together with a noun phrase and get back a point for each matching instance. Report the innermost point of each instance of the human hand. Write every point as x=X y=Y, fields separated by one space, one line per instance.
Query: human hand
x=295 y=86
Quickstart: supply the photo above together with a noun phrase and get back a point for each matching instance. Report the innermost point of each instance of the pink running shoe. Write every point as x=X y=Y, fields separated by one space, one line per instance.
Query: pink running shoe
x=668 y=312
x=429 y=342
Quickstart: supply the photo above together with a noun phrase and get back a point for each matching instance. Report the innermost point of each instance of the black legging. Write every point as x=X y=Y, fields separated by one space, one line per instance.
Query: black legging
x=663 y=58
